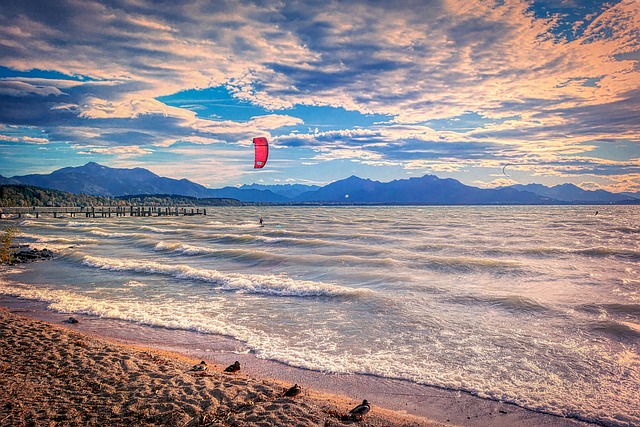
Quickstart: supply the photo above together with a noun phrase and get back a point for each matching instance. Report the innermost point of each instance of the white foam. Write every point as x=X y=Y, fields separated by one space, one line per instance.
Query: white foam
x=168 y=313
x=82 y=224
x=157 y=229
x=183 y=248
x=101 y=233
x=135 y=284
x=61 y=240
x=250 y=283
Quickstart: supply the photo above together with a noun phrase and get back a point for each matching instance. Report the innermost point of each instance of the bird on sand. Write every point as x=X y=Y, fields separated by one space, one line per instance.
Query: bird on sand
x=293 y=391
x=233 y=368
x=200 y=367
x=71 y=320
x=359 y=411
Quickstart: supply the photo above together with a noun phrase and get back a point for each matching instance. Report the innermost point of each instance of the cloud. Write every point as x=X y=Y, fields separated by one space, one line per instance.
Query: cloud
x=546 y=97
x=120 y=151
x=16 y=88
x=95 y=108
x=409 y=59
x=362 y=138
x=79 y=112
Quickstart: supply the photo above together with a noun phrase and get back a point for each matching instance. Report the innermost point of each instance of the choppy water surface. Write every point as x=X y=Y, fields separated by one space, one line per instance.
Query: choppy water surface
x=539 y=306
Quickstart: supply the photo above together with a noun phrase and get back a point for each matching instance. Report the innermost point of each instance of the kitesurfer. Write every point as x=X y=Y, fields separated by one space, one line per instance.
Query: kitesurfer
x=261 y=221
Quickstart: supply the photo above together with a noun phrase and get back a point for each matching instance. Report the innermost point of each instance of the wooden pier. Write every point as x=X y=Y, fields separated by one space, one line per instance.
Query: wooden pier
x=101 y=211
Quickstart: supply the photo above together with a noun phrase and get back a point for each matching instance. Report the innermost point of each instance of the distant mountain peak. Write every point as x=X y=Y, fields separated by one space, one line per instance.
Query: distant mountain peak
x=355 y=178
x=98 y=180
x=95 y=179
x=571 y=193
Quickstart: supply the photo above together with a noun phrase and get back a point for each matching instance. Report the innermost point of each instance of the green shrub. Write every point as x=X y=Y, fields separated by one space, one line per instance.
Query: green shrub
x=6 y=249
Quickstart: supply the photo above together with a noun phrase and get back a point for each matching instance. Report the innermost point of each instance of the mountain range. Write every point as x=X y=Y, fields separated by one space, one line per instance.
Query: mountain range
x=99 y=180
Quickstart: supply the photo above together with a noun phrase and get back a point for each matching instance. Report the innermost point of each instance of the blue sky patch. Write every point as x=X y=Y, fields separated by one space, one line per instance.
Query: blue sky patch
x=42 y=74
x=574 y=15
x=218 y=103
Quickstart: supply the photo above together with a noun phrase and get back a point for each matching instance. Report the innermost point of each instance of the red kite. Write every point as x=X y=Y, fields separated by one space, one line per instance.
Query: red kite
x=262 y=152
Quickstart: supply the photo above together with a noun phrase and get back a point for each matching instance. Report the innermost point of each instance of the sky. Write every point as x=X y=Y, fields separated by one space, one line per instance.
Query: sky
x=488 y=92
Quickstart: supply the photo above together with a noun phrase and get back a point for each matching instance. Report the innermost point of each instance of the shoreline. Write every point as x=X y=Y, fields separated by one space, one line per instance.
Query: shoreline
x=398 y=402
x=53 y=375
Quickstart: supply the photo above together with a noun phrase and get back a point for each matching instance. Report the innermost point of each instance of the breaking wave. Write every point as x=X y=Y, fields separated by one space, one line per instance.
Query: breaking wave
x=279 y=285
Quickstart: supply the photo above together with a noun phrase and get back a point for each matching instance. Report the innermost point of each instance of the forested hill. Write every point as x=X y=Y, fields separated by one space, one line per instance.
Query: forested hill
x=27 y=196
x=176 y=200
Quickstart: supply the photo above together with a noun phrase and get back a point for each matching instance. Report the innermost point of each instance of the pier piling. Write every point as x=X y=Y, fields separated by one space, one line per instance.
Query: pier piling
x=100 y=211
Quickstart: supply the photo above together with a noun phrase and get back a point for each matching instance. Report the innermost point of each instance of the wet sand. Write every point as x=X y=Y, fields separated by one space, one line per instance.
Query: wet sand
x=109 y=372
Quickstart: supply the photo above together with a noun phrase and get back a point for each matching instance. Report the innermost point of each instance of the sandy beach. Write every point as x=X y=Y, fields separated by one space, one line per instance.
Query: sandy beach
x=56 y=373
x=51 y=375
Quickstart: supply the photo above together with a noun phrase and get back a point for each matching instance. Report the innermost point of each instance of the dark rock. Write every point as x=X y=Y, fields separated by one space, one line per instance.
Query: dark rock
x=27 y=254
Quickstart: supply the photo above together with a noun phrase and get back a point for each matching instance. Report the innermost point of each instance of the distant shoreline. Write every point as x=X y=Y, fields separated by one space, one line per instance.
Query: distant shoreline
x=314 y=204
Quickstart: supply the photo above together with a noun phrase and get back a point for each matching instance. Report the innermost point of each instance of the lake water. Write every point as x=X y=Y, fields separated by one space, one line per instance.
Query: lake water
x=538 y=306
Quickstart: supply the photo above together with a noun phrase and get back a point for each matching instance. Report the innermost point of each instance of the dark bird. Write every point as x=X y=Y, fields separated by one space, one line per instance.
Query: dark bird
x=71 y=320
x=293 y=391
x=233 y=368
x=359 y=411
x=202 y=366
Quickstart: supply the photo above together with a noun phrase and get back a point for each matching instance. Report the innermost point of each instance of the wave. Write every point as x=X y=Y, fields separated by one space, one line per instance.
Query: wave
x=626 y=230
x=58 y=244
x=82 y=224
x=293 y=241
x=613 y=309
x=42 y=223
x=329 y=236
x=115 y=235
x=618 y=320
x=168 y=314
x=159 y=229
x=314 y=242
x=262 y=256
x=110 y=235
x=470 y=264
x=600 y=252
x=621 y=331
x=232 y=238
x=535 y=251
x=36 y=238
x=512 y=303
x=235 y=254
x=278 y=285
x=183 y=248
